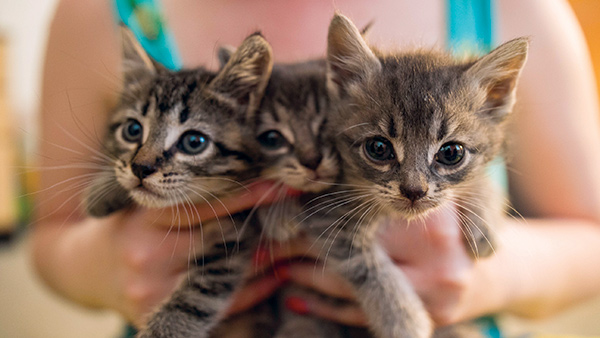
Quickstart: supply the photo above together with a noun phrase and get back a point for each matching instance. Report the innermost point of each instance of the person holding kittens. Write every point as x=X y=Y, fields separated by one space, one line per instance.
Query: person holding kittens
x=541 y=266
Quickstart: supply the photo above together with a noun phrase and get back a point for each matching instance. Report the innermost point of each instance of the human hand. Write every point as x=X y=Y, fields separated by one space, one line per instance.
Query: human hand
x=431 y=254
x=151 y=249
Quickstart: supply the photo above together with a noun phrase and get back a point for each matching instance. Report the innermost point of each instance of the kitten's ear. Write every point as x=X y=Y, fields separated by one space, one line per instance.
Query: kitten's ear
x=224 y=54
x=246 y=73
x=135 y=61
x=349 y=58
x=497 y=74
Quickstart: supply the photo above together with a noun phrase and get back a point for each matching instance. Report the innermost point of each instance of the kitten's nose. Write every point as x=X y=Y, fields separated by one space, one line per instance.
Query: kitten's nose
x=414 y=193
x=311 y=162
x=142 y=170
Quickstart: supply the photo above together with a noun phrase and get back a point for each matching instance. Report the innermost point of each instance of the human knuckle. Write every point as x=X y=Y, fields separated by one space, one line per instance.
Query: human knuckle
x=137 y=259
x=444 y=235
x=444 y=315
x=451 y=279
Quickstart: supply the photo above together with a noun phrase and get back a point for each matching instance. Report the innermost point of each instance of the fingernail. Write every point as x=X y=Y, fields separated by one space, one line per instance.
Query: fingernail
x=293 y=192
x=261 y=256
x=297 y=305
x=282 y=272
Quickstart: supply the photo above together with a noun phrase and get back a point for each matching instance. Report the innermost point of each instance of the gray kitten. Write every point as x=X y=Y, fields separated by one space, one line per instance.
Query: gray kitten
x=415 y=132
x=289 y=127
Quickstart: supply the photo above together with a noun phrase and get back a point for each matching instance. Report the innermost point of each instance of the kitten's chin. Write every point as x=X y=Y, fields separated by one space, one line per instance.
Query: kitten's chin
x=314 y=187
x=411 y=211
x=149 y=199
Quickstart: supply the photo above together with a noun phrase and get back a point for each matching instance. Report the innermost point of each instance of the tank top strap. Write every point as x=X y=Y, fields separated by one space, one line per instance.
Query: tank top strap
x=471 y=30
x=145 y=19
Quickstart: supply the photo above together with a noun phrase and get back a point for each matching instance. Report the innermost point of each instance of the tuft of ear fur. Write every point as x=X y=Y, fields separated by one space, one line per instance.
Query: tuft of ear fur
x=136 y=62
x=349 y=58
x=246 y=73
x=367 y=28
x=224 y=55
x=497 y=74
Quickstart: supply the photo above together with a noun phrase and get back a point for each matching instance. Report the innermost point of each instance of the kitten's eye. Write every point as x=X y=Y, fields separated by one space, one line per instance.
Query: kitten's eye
x=450 y=154
x=132 y=131
x=272 y=140
x=193 y=142
x=379 y=149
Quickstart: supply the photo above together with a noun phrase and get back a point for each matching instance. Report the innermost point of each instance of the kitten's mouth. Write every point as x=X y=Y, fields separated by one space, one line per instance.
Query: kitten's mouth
x=149 y=198
x=410 y=209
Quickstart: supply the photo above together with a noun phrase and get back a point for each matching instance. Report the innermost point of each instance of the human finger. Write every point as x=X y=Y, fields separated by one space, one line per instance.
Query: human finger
x=254 y=292
x=314 y=276
x=258 y=193
x=347 y=313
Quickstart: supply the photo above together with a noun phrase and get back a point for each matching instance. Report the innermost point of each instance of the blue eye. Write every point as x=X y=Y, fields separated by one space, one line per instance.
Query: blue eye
x=272 y=140
x=379 y=149
x=132 y=131
x=193 y=142
x=450 y=154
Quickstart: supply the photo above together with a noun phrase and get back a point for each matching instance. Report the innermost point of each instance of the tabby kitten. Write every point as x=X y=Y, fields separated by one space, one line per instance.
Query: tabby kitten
x=183 y=137
x=180 y=137
x=289 y=127
x=415 y=131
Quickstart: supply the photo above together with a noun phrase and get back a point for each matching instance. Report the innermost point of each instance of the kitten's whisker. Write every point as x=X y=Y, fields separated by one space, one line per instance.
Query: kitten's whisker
x=346 y=217
x=93 y=150
x=241 y=185
x=467 y=232
x=357 y=227
x=264 y=226
x=68 y=180
x=217 y=218
x=191 y=247
x=334 y=206
x=352 y=127
x=366 y=207
x=86 y=165
x=218 y=200
x=476 y=226
x=335 y=199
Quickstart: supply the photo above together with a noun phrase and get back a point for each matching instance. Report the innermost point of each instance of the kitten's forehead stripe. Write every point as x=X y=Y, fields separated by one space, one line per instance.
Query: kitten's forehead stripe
x=443 y=129
x=145 y=108
x=184 y=114
x=226 y=152
x=392 y=127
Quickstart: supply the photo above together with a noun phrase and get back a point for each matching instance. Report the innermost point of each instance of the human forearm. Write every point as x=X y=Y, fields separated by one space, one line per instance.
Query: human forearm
x=540 y=267
x=70 y=260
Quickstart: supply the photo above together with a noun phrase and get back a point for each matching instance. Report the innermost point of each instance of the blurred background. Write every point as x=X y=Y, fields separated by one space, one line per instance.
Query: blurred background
x=27 y=307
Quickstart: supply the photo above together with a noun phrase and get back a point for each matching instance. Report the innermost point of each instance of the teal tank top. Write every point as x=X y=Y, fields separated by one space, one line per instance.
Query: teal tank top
x=144 y=18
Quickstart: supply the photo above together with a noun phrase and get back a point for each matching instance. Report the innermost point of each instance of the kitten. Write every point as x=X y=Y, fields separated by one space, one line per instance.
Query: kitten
x=415 y=132
x=182 y=138
x=289 y=127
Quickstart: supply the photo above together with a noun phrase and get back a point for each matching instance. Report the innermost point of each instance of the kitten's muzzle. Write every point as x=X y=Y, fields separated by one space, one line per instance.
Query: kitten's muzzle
x=142 y=170
x=311 y=162
x=413 y=193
